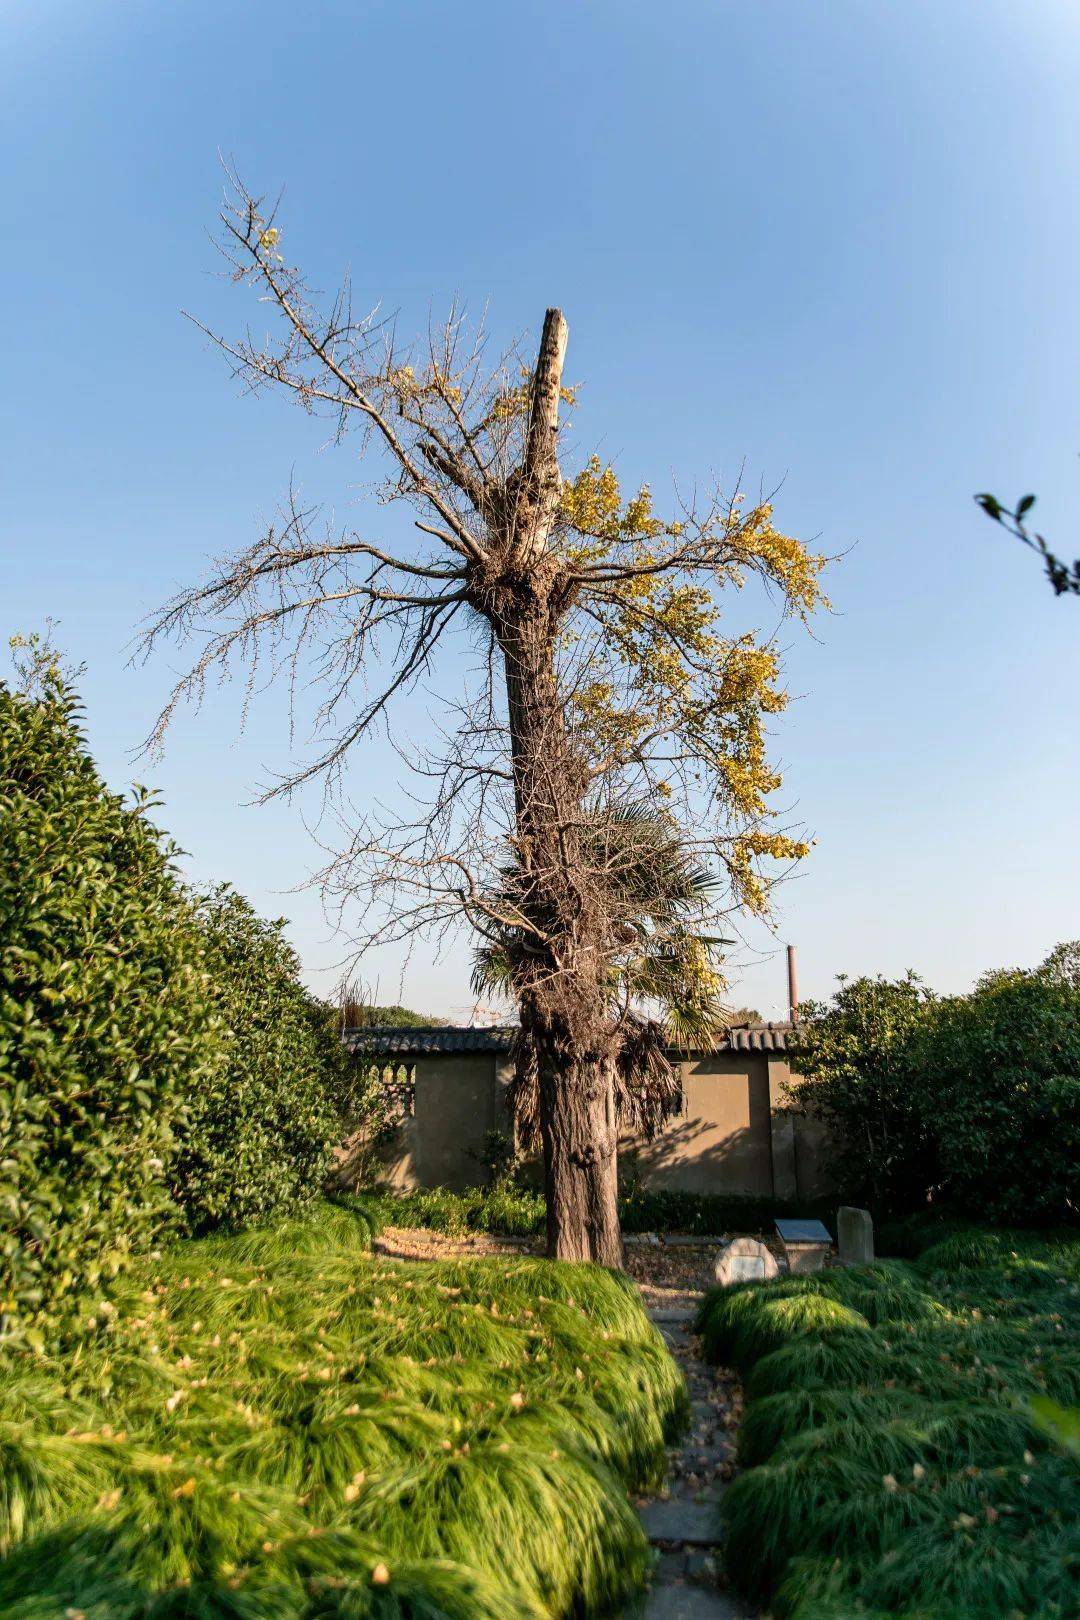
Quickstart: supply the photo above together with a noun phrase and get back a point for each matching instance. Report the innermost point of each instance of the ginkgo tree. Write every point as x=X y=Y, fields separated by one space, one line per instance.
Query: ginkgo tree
x=595 y=671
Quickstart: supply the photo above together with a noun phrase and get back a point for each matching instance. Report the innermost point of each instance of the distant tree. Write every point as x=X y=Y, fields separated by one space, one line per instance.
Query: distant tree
x=1064 y=577
x=355 y=1013
x=602 y=672
x=737 y=1016
x=853 y=1057
x=967 y=1102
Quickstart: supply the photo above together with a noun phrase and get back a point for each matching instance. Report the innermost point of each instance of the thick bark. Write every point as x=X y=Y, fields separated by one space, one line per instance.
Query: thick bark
x=577 y=1112
x=563 y=1003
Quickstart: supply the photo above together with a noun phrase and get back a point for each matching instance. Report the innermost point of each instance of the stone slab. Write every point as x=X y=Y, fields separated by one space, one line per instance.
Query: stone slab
x=690 y=1524
x=745 y=1259
x=854 y=1236
x=687 y=1602
x=672 y=1313
x=794 y=1231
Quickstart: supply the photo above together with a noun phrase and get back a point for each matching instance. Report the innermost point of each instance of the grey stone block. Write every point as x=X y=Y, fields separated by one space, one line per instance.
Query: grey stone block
x=854 y=1236
x=674 y=1602
x=806 y=1243
x=689 y=1524
x=669 y=1314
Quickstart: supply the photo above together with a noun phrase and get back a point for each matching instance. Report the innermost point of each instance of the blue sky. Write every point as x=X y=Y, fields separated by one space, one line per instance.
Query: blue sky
x=837 y=242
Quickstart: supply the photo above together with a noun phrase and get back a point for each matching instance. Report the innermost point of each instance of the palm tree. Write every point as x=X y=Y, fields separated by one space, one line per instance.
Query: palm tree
x=664 y=988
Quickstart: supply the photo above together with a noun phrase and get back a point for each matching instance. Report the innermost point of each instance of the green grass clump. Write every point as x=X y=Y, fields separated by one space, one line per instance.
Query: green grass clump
x=739 y=1325
x=276 y=1426
x=894 y=1461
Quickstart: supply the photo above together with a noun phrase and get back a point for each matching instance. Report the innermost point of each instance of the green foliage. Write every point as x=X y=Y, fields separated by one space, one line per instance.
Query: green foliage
x=971 y=1101
x=1064 y=577
x=502 y=1211
x=353 y=1013
x=1060 y=1423
x=259 y=1133
x=105 y=1018
x=900 y=1440
x=1001 y=1086
x=853 y=1056
x=162 y=1068
x=707 y=1214
x=511 y=1210
x=274 y=1426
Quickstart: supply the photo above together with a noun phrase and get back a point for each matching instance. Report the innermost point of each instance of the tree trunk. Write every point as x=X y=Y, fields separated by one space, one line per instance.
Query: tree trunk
x=561 y=989
x=577 y=1113
x=563 y=1004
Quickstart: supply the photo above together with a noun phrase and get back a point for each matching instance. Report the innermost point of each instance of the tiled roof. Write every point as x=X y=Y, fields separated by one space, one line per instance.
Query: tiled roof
x=413 y=1043
x=402 y=1043
x=757 y=1038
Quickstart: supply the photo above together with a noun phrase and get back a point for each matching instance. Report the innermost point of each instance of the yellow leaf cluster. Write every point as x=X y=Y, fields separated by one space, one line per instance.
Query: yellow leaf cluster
x=669 y=671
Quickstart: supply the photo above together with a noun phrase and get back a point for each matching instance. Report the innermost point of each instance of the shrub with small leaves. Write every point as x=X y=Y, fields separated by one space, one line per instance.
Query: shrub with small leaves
x=106 y=1023
x=260 y=1132
x=162 y=1067
x=966 y=1104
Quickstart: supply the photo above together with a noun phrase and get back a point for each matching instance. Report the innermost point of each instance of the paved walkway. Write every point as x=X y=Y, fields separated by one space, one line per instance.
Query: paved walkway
x=683 y=1523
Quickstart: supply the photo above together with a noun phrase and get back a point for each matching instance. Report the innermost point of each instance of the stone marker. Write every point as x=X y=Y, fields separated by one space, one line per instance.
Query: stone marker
x=854 y=1236
x=806 y=1243
x=744 y=1259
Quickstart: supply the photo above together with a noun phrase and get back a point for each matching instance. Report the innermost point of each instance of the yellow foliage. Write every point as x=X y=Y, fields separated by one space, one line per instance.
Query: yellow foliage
x=667 y=670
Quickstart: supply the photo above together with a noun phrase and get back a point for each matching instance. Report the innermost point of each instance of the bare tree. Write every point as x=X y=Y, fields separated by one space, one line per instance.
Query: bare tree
x=600 y=677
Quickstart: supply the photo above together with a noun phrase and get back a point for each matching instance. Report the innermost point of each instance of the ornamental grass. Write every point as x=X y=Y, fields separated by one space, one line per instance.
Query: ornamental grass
x=279 y=1426
x=893 y=1462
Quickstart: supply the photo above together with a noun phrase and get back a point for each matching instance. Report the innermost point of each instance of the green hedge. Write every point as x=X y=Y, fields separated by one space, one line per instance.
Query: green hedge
x=258 y=1137
x=519 y=1212
x=162 y=1068
x=106 y=1021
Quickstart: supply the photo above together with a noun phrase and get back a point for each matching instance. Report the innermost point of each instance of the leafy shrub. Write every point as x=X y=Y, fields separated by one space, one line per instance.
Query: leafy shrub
x=260 y=1131
x=905 y=1467
x=703 y=1214
x=853 y=1056
x=515 y=1211
x=280 y=1435
x=106 y=1023
x=161 y=1065
x=971 y=1103
x=1000 y=1072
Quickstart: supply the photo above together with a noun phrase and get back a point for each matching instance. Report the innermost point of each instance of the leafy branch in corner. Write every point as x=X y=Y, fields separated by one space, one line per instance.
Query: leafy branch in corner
x=1064 y=578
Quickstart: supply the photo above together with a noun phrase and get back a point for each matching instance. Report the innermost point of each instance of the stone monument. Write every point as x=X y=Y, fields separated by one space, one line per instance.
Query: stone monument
x=854 y=1236
x=806 y=1243
x=744 y=1259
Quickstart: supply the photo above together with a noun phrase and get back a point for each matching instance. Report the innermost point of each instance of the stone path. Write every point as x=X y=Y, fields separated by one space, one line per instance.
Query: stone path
x=683 y=1523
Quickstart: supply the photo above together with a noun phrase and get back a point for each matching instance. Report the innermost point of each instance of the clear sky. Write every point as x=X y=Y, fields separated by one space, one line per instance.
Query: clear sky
x=839 y=243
